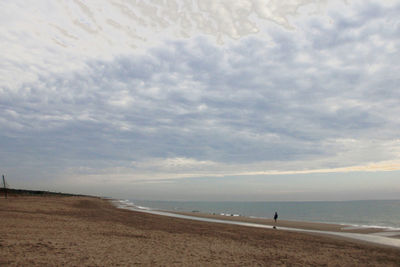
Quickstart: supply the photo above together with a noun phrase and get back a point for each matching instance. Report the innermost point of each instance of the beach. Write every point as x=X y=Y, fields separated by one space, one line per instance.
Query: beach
x=76 y=231
x=330 y=227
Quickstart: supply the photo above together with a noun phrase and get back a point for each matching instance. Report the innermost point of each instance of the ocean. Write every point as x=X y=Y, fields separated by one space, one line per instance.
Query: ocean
x=361 y=213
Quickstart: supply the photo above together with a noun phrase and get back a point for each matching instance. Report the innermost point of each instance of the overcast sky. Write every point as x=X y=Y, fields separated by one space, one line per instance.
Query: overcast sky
x=202 y=99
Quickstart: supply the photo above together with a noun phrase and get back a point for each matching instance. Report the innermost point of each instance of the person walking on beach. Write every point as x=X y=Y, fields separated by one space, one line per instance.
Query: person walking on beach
x=276 y=216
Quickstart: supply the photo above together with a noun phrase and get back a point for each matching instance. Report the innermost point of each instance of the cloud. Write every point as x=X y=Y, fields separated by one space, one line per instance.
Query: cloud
x=316 y=95
x=62 y=35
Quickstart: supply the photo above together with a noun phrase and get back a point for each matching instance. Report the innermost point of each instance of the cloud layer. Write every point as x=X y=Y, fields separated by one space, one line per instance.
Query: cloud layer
x=87 y=97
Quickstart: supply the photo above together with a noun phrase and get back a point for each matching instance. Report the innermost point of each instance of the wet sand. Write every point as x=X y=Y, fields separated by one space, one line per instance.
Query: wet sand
x=289 y=224
x=53 y=231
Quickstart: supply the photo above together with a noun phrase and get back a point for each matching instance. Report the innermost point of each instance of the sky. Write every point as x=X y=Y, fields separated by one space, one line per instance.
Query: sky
x=249 y=100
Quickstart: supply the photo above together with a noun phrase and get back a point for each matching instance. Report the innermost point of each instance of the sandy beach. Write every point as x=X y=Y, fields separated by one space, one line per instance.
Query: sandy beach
x=76 y=231
x=289 y=224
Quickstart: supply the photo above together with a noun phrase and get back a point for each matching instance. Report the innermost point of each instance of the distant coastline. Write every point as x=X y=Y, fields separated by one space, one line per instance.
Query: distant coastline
x=26 y=192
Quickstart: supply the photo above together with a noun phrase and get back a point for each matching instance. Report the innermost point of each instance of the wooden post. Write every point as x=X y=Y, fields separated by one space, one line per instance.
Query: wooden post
x=5 y=188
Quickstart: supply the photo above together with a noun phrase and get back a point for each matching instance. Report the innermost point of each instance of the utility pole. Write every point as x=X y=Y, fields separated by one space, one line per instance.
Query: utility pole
x=5 y=188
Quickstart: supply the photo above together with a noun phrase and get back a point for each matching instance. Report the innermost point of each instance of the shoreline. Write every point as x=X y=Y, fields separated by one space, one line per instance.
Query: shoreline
x=369 y=220
x=305 y=225
x=371 y=235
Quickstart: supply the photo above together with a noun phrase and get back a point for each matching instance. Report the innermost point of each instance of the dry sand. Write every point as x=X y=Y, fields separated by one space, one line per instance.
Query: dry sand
x=78 y=231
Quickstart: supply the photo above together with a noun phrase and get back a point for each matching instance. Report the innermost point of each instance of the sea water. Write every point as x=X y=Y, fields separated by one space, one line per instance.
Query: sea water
x=362 y=213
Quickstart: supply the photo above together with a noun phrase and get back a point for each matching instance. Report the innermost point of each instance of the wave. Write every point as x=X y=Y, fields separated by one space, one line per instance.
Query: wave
x=127 y=204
